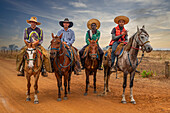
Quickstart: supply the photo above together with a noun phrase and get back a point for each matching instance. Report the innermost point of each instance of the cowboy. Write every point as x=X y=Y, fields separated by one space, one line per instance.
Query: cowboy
x=93 y=34
x=68 y=39
x=31 y=35
x=119 y=34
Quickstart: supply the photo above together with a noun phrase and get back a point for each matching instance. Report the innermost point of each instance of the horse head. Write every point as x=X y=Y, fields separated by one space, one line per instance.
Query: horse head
x=93 y=49
x=55 y=45
x=142 y=39
x=30 y=55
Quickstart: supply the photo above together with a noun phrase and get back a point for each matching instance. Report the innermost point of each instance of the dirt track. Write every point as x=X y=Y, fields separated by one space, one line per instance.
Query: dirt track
x=151 y=95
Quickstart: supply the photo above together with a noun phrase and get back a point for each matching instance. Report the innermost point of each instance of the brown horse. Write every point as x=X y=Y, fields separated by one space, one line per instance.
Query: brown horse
x=91 y=63
x=62 y=64
x=128 y=62
x=33 y=64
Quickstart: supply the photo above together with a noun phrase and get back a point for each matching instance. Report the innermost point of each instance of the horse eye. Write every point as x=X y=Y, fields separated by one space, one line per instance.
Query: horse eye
x=142 y=37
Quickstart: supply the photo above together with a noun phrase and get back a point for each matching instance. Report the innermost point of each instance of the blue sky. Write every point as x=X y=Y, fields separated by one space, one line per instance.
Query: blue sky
x=154 y=14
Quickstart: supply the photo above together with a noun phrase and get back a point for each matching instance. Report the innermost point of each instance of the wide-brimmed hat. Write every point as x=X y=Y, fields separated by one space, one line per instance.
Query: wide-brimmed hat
x=66 y=20
x=126 y=19
x=91 y=21
x=33 y=19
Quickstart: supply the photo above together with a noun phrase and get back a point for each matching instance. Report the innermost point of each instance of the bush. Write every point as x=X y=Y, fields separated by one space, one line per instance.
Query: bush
x=146 y=74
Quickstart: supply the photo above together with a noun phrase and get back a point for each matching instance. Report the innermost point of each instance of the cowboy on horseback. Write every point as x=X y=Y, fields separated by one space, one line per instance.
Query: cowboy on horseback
x=68 y=39
x=93 y=34
x=119 y=34
x=34 y=34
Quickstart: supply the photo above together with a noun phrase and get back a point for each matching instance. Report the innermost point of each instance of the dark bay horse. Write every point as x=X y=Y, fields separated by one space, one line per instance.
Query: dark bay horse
x=62 y=64
x=33 y=64
x=128 y=61
x=91 y=63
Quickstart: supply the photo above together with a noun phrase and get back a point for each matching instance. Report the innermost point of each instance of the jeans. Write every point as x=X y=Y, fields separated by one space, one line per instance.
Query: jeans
x=114 y=46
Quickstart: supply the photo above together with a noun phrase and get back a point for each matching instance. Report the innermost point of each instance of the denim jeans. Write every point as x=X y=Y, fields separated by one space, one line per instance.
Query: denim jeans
x=114 y=46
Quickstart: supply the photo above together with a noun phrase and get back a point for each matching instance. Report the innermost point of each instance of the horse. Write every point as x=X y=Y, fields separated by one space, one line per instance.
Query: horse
x=33 y=64
x=128 y=61
x=91 y=63
x=62 y=63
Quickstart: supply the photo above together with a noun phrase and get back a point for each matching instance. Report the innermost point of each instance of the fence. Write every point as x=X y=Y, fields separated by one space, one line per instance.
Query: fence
x=167 y=70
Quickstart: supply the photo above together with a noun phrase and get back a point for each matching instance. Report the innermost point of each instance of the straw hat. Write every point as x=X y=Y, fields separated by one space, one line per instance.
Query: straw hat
x=126 y=19
x=33 y=19
x=91 y=21
x=66 y=20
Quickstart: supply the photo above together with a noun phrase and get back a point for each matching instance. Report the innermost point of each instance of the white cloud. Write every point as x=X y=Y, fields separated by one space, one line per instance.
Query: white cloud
x=78 y=4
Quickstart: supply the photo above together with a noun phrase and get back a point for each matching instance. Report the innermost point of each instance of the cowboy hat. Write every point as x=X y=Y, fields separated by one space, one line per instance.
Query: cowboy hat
x=91 y=21
x=66 y=20
x=33 y=19
x=126 y=19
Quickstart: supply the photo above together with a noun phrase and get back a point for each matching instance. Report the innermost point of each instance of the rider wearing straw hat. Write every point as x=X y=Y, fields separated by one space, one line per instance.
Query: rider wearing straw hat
x=33 y=34
x=93 y=34
x=119 y=34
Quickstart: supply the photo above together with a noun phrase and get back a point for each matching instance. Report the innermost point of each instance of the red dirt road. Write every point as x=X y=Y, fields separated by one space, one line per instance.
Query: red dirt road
x=152 y=95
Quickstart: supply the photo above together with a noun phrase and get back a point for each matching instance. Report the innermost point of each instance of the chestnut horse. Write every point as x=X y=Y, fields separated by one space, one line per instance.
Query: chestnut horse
x=33 y=64
x=128 y=61
x=62 y=64
x=91 y=63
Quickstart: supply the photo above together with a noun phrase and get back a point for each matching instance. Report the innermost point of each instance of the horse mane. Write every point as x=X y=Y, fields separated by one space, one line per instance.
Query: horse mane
x=129 y=44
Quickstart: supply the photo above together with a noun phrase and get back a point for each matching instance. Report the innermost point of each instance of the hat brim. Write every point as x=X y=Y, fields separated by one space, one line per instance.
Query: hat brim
x=126 y=19
x=91 y=21
x=61 y=24
x=29 y=22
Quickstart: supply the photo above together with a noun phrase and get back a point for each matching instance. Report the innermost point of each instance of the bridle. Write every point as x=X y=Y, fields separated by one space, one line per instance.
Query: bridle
x=142 y=43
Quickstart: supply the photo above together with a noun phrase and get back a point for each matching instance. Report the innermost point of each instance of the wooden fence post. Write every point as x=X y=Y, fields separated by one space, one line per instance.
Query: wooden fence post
x=167 y=74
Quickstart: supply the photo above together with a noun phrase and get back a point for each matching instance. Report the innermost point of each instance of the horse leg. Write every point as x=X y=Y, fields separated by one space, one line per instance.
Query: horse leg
x=28 y=87
x=132 y=75
x=87 y=82
x=107 y=81
x=65 y=85
x=59 y=85
x=124 y=87
x=94 y=82
x=36 y=89
x=69 y=78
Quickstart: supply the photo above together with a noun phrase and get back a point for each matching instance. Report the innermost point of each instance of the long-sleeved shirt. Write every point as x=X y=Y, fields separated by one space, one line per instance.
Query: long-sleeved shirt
x=94 y=36
x=68 y=36
x=31 y=35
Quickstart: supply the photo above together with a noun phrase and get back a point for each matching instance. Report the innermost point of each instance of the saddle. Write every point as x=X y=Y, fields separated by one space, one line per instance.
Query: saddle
x=118 y=52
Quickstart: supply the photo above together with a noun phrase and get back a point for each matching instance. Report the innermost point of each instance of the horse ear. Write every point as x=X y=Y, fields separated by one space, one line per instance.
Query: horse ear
x=137 y=29
x=96 y=40
x=61 y=36
x=89 y=40
x=52 y=35
x=143 y=27
x=26 y=43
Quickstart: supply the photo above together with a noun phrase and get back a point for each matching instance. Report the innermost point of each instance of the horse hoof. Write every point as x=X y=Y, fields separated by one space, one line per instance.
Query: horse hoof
x=36 y=102
x=124 y=102
x=133 y=102
x=95 y=92
x=65 y=98
x=59 y=99
x=85 y=94
x=28 y=99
